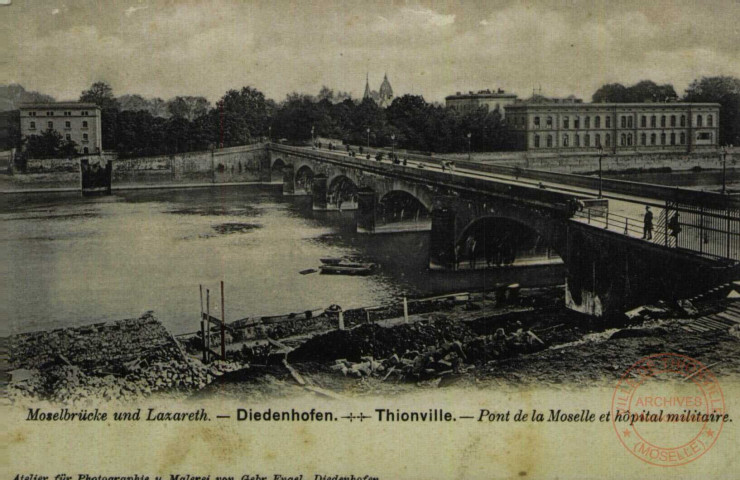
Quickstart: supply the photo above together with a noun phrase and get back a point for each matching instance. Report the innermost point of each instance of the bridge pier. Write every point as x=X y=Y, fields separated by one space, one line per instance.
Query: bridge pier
x=319 y=192
x=442 y=237
x=288 y=180
x=367 y=201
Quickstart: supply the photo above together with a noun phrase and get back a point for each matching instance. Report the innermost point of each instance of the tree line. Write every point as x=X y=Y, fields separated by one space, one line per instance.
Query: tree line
x=135 y=126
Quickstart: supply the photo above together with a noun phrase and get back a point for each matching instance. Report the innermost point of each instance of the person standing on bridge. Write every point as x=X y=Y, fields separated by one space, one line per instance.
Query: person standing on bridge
x=647 y=233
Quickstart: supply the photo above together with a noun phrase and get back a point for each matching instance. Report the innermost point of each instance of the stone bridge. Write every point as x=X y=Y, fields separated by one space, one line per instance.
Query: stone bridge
x=606 y=272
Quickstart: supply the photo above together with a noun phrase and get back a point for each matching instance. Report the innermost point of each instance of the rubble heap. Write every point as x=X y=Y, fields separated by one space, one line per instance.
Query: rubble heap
x=115 y=360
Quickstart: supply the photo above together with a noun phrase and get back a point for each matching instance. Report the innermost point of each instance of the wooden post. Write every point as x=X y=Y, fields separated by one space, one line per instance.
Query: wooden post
x=202 y=325
x=368 y=315
x=208 y=323
x=405 y=310
x=341 y=320
x=223 y=324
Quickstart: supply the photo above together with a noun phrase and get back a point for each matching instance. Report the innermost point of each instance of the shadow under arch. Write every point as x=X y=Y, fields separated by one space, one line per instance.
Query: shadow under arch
x=496 y=241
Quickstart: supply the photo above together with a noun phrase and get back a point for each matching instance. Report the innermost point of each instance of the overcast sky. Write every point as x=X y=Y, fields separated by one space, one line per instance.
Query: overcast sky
x=167 y=48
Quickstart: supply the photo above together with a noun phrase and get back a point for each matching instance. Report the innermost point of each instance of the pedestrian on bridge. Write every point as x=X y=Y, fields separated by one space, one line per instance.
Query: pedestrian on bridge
x=647 y=233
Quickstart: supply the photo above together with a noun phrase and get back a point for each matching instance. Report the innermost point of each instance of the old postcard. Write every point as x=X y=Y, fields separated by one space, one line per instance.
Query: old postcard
x=354 y=240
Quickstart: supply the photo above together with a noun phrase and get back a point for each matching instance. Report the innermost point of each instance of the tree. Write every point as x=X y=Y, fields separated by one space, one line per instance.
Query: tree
x=49 y=144
x=241 y=116
x=724 y=90
x=188 y=107
x=101 y=94
x=647 y=91
x=610 y=93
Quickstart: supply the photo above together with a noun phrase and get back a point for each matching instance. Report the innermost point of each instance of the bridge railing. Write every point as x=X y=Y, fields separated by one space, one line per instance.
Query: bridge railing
x=713 y=233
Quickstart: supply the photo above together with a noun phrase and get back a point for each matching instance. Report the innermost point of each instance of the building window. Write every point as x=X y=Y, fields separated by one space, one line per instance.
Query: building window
x=608 y=122
x=577 y=122
x=598 y=139
x=623 y=140
x=536 y=141
x=643 y=138
x=597 y=122
x=704 y=136
x=643 y=121
x=673 y=120
x=49 y=114
x=652 y=121
x=629 y=121
x=710 y=121
x=566 y=123
x=587 y=139
x=85 y=150
x=662 y=120
x=536 y=122
x=608 y=139
x=565 y=140
x=587 y=122
x=699 y=122
x=68 y=137
x=83 y=113
x=33 y=126
x=549 y=140
x=578 y=140
x=84 y=137
x=67 y=125
x=67 y=114
x=623 y=122
x=683 y=120
x=683 y=138
x=549 y=122
x=673 y=138
x=50 y=125
x=652 y=139
x=662 y=138
x=629 y=139
x=84 y=124
x=31 y=114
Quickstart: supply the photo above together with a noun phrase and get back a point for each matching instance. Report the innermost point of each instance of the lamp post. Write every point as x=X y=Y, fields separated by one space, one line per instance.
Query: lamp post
x=368 y=138
x=601 y=155
x=393 y=145
x=312 y=138
x=269 y=134
x=724 y=169
x=469 y=135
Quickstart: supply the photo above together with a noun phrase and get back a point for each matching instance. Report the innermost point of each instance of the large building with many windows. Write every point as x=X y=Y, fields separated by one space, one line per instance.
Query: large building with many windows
x=75 y=121
x=496 y=100
x=615 y=127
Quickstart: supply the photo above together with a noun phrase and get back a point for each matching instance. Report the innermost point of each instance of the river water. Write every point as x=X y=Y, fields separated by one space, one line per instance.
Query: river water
x=69 y=260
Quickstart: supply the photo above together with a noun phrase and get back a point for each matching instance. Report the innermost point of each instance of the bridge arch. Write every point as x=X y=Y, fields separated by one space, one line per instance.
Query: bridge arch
x=423 y=196
x=402 y=205
x=304 y=179
x=499 y=240
x=342 y=191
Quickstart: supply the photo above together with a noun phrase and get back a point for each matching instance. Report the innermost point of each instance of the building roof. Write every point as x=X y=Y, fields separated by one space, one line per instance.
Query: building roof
x=481 y=94
x=56 y=105
x=565 y=106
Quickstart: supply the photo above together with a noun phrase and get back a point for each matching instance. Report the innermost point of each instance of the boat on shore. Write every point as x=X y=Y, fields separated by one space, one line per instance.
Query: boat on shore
x=348 y=268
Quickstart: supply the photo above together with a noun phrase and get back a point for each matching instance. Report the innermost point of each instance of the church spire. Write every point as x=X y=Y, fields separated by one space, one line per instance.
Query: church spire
x=367 y=86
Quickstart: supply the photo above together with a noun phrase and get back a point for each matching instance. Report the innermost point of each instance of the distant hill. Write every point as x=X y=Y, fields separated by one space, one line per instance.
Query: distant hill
x=13 y=95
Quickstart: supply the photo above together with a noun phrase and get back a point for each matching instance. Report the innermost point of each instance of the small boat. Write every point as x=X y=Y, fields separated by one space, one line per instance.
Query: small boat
x=348 y=268
x=332 y=260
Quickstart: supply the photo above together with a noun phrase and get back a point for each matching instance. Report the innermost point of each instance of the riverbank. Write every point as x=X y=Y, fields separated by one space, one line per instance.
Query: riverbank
x=466 y=340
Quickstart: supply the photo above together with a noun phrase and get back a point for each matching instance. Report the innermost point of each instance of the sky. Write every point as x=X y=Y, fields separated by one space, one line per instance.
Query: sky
x=429 y=48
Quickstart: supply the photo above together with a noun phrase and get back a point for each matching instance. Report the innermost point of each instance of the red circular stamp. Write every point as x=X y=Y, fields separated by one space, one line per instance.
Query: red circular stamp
x=668 y=409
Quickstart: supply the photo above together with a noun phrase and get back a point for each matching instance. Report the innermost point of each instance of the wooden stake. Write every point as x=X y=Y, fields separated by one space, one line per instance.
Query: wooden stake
x=405 y=310
x=208 y=323
x=223 y=324
x=341 y=320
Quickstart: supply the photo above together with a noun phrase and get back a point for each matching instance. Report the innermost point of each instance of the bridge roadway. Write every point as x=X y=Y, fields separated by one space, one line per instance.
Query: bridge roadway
x=626 y=202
